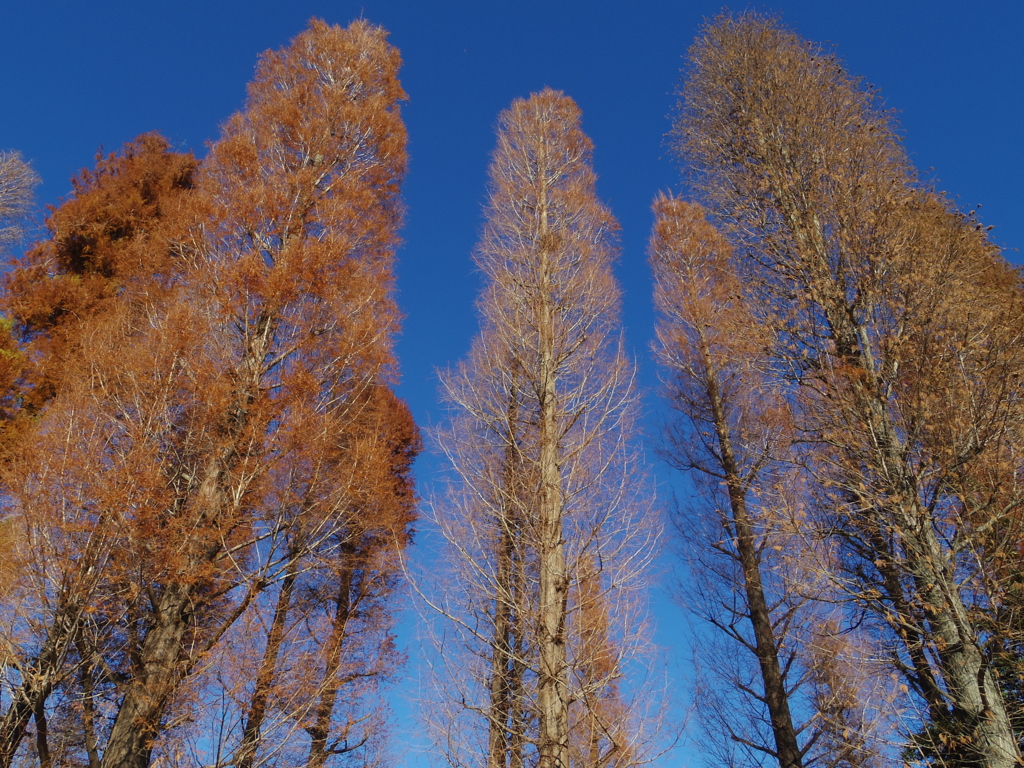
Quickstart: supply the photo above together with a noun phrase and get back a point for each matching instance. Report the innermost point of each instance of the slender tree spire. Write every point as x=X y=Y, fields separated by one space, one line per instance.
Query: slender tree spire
x=547 y=496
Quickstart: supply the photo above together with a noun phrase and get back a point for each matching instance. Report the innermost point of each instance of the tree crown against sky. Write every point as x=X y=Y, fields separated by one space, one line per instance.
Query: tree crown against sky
x=886 y=317
x=547 y=520
x=208 y=463
x=948 y=72
x=652 y=38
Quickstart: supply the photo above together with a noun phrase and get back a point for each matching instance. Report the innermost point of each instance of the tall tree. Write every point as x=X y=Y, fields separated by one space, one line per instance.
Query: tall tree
x=225 y=423
x=545 y=518
x=756 y=579
x=108 y=246
x=290 y=281
x=895 y=320
x=711 y=347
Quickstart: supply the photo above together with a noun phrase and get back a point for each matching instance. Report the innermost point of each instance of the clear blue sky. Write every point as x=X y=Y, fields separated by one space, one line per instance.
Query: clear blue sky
x=75 y=76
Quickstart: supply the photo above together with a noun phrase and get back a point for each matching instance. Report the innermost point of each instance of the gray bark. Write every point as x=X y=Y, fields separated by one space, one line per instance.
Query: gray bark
x=552 y=683
x=971 y=695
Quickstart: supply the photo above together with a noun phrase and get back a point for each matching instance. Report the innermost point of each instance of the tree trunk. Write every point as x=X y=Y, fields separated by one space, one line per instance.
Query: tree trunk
x=501 y=693
x=162 y=666
x=320 y=731
x=973 y=696
x=42 y=736
x=552 y=682
x=265 y=677
x=140 y=715
x=776 y=695
x=89 y=706
x=38 y=680
x=505 y=687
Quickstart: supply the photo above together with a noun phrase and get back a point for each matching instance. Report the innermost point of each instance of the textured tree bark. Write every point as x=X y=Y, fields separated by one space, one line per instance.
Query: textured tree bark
x=776 y=695
x=552 y=683
x=139 y=717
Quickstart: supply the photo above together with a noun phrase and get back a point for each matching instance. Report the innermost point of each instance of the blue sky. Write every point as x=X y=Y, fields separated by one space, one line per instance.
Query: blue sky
x=76 y=76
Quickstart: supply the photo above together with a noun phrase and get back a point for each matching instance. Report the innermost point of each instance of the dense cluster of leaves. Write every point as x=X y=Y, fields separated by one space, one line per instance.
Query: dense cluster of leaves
x=207 y=474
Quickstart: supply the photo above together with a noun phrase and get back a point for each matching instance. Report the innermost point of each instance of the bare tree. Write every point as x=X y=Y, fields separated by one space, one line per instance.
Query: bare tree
x=547 y=521
x=17 y=182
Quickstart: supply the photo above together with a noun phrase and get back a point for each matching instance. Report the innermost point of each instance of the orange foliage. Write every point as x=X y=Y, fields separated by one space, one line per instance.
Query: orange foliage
x=896 y=333
x=209 y=354
x=112 y=240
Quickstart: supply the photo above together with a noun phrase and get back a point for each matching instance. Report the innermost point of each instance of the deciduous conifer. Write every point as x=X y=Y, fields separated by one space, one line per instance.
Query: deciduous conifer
x=896 y=330
x=547 y=521
x=215 y=441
